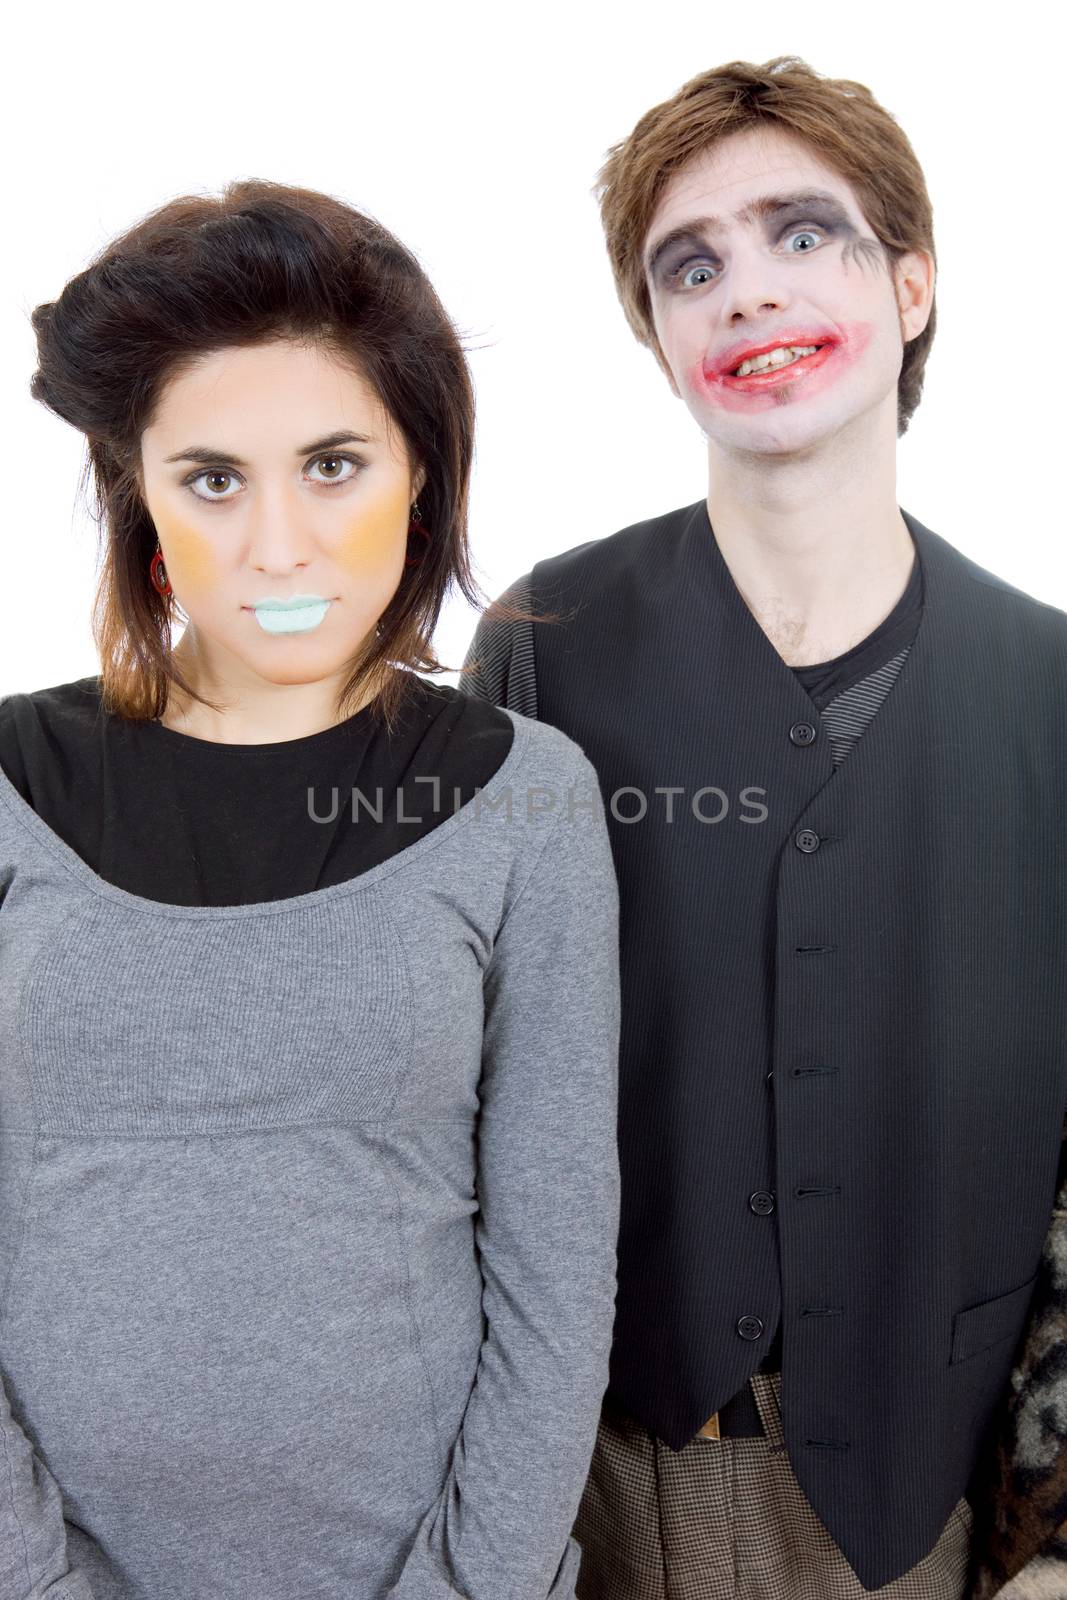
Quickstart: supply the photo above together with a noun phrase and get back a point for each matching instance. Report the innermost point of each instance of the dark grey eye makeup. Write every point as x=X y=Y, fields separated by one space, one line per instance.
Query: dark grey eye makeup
x=686 y=246
x=675 y=266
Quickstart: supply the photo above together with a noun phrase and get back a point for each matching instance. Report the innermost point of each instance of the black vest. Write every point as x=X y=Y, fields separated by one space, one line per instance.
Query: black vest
x=843 y=1067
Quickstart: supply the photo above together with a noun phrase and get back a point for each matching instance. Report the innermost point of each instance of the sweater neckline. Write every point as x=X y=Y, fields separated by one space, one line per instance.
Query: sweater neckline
x=28 y=819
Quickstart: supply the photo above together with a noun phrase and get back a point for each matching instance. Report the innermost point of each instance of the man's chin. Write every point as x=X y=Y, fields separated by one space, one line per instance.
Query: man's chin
x=787 y=431
x=770 y=437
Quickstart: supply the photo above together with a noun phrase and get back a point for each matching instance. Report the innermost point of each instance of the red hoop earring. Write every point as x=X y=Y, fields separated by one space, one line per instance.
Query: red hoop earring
x=159 y=573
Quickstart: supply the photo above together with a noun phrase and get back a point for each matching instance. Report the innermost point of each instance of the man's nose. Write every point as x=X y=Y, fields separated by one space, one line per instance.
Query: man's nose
x=752 y=284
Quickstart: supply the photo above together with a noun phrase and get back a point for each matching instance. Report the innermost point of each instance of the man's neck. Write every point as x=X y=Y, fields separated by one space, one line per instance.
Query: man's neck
x=820 y=556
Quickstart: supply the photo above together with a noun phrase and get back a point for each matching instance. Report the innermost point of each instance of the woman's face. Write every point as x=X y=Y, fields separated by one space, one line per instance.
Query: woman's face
x=272 y=473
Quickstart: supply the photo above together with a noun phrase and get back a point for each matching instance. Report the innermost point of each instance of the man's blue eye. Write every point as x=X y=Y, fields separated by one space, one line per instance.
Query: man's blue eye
x=687 y=277
x=799 y=234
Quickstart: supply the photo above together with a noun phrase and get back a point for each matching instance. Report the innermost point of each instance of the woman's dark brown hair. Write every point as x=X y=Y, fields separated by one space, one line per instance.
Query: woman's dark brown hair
x=841 y=123
x=261 y=261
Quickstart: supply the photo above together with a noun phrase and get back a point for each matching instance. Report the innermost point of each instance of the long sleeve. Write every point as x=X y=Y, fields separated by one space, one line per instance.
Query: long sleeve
x=546 y=1230
x=34 y=1563
x=33 y=1543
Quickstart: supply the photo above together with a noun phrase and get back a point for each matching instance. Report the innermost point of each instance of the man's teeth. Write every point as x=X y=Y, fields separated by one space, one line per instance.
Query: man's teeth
x=775 y=358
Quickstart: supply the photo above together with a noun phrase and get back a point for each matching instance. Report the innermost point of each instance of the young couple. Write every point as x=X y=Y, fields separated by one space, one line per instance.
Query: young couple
x=739 y=951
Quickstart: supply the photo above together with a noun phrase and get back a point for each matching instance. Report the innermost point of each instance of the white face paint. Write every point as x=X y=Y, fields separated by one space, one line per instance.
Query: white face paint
x=754 y=244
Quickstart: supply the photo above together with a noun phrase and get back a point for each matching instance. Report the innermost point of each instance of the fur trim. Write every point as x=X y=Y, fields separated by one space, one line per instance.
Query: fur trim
x=1019 y=1491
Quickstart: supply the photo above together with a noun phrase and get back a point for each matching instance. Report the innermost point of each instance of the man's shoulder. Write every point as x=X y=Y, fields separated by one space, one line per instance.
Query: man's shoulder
x=1029 y=627
x=500 y=663
x=627 y=548
x=1013 y=606
x=1044 y=611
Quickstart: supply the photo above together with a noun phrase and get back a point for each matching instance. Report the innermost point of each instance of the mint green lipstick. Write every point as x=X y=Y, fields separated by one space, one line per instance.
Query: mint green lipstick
x=299 y=614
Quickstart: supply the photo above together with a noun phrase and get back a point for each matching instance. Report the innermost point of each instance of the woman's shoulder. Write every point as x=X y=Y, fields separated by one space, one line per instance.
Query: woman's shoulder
x=536 y=743
x=35 y=725
x=544 y=785
x=46 y=740
x=71 y=706
x=551 y=789
x=77 y=697
x=543 y=754
x=550 y=748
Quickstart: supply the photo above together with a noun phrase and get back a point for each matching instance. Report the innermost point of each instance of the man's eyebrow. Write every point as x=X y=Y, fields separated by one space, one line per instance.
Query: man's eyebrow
x=208 y=457
x=763 y=207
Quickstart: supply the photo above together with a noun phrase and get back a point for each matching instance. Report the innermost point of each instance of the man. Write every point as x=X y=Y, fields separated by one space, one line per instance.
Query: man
x=832 y=750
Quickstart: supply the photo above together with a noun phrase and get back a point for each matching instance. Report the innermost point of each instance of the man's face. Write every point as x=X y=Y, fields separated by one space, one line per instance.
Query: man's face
x=725 y=280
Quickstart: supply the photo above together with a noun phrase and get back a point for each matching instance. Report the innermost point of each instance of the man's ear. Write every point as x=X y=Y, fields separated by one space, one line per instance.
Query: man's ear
x=913 y=278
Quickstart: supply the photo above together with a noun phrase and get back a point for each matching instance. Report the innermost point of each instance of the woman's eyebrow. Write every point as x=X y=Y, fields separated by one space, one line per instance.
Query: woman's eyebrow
x=700 y=230
x=208 y=457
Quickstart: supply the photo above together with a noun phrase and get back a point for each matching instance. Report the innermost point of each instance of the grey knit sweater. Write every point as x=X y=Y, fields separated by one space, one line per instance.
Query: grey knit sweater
x=308 y=1212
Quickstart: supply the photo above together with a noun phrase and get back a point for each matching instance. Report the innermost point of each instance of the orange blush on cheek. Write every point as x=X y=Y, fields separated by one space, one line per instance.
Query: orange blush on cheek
x=376 y=535
x=189 y=558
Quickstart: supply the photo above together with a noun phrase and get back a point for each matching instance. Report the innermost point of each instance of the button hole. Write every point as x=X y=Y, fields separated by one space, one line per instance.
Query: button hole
x=821 y=1311
x=811 y=1072
x=827 y=1444
x=802 y=1194
x=813 y=949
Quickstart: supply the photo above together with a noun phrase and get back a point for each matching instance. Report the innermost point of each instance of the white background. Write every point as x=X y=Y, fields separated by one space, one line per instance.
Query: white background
x=475 y=133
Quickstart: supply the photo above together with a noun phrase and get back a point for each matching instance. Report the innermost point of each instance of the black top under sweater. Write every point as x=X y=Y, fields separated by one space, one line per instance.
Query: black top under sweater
x=192 y=822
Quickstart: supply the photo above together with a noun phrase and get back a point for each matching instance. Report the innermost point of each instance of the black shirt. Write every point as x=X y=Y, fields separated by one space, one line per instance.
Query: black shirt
x=825 y=680
x=189 y=821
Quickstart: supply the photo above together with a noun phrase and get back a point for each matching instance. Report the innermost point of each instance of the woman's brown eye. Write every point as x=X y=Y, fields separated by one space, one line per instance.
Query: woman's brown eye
x=205 y=485
x=321 y=470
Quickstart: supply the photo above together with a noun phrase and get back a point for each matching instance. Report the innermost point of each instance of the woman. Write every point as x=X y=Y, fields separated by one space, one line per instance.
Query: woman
x=307 y=1045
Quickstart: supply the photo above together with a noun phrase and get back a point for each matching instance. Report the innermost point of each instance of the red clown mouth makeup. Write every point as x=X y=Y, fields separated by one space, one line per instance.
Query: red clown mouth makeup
x=806 y=373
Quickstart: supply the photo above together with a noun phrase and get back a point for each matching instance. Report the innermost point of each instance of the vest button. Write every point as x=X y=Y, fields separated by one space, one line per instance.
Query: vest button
x=802 y=733
x=807 y=841
x=762 y=1202
x=750 y=1327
